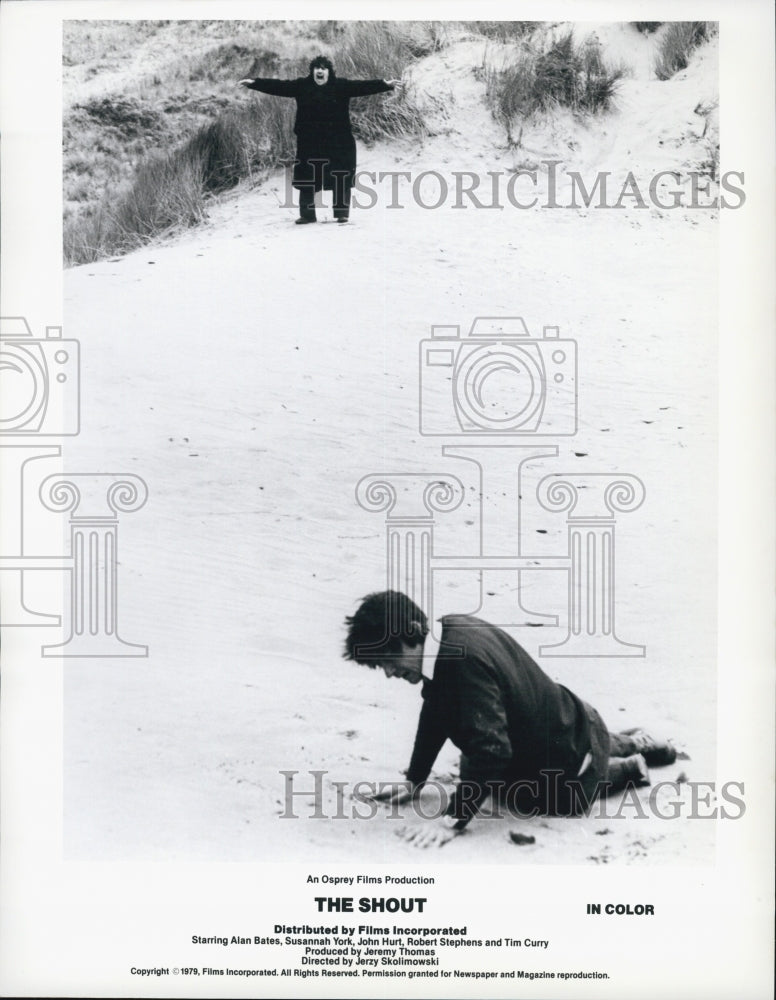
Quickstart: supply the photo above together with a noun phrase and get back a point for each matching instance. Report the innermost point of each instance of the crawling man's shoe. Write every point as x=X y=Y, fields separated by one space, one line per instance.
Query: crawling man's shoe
x=635 y=770
x=657 y=753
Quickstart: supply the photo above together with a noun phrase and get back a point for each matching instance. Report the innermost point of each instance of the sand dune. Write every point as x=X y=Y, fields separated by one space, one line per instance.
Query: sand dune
x=253 y=372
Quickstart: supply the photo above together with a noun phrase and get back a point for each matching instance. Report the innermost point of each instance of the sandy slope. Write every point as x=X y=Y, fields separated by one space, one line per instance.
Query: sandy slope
x=252 y=372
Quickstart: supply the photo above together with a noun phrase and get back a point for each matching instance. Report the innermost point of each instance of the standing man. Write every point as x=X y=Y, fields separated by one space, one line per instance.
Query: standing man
x=518 y=731
x=326 y=149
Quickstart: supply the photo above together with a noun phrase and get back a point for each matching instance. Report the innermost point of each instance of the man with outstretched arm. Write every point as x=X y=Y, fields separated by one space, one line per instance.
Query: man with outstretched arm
x=522 y=735
x=326 y=149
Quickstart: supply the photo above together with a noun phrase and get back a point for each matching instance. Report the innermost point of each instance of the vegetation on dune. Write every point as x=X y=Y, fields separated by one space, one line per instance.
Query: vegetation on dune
x=160 y=126
x=372 y=50
x=567 y=74
x=678 y=42
x=647 y=27
x=503 y=31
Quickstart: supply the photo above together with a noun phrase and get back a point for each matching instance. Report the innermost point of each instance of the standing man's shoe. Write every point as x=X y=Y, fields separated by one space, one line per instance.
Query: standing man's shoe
x=305 y=222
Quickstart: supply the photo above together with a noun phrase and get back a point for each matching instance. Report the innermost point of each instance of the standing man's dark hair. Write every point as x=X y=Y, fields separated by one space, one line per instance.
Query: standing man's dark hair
x=325 y=149
x=325 y=63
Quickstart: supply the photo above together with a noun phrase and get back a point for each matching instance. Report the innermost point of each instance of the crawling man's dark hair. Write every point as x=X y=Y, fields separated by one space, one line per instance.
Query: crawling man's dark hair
x=382 y=621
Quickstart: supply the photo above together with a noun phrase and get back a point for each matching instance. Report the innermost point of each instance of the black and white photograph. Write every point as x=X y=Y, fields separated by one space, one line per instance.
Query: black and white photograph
x=387 y=490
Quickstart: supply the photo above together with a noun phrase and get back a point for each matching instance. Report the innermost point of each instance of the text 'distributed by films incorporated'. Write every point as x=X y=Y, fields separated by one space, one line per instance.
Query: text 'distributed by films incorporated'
x=383 y=927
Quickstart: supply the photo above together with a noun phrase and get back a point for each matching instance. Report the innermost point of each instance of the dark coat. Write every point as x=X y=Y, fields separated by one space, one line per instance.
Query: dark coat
x=509 y=719
x=322 y=126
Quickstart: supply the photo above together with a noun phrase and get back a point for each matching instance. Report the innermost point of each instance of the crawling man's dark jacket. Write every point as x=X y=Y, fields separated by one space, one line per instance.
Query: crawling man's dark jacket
x=510 y=721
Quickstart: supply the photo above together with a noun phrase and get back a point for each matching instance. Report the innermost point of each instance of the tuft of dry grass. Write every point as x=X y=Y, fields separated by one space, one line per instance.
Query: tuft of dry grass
x=567 y=75
x=647 y=27
x=166 y=195
x=373 y=50
x=503 y=31
x=678 y=42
